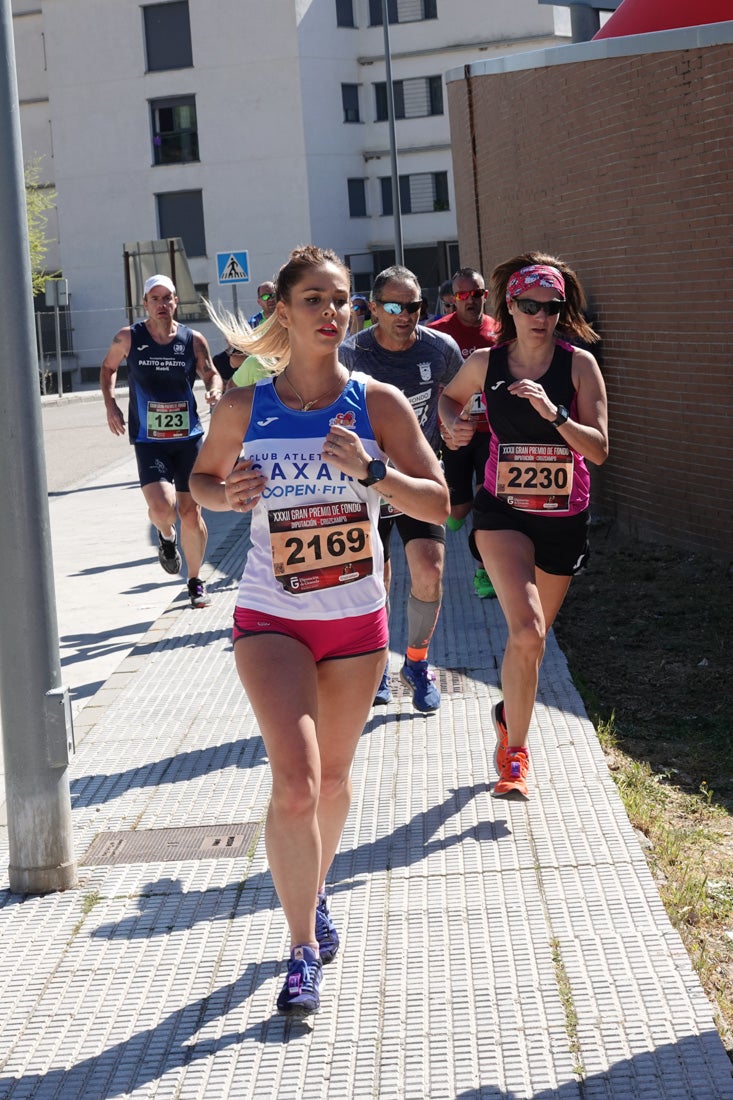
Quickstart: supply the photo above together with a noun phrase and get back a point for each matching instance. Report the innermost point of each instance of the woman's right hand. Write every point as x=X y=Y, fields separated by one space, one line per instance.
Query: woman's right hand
x=461 y=431
x=456 y=399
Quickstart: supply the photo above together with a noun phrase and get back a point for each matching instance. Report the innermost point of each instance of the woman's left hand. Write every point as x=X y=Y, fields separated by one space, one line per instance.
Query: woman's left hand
x=344 y=450
x=535 y=394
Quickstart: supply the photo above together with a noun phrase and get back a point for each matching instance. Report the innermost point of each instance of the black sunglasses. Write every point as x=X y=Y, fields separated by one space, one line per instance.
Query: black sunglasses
x=396 y=308
x=530 y=306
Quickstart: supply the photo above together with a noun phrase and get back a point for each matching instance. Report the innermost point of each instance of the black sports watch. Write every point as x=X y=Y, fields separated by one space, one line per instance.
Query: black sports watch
x=562 y=416
x=376 y=471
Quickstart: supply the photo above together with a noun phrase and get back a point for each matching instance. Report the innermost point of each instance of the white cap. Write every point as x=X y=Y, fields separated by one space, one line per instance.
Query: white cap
x=158 y=280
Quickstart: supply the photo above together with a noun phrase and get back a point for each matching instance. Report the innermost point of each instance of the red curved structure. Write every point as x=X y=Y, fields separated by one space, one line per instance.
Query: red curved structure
x=643 y=16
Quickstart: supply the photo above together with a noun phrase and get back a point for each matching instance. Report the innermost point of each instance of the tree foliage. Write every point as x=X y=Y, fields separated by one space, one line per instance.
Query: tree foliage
x=39 y=200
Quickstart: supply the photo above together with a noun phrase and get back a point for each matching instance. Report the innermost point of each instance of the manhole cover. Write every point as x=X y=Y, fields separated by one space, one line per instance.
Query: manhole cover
x=156 y=845
x=450 y=681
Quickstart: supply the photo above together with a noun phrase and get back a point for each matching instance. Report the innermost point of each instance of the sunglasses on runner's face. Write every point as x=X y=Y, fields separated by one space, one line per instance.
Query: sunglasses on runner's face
x=464 y=295
x=396 y=308
x=530 y=306
x=266 y=297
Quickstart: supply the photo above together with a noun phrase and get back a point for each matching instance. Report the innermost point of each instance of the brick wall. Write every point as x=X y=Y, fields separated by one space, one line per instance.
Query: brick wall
x=624 y=167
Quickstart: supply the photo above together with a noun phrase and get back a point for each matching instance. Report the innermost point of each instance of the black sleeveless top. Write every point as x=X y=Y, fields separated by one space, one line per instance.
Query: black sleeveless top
x=530 y=466
x=512 y=419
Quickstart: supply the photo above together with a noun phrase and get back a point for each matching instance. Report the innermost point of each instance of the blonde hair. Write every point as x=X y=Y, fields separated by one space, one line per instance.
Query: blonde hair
x=270 y=341
x=241 y=337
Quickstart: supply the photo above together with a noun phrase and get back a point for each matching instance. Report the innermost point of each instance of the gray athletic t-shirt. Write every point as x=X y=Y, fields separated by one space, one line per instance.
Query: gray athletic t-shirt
x=420 y=372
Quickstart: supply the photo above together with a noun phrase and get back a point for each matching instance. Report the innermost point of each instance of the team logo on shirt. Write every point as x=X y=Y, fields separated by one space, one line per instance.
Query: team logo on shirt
x=344 y=420
x=178 y=348
x=426 y=372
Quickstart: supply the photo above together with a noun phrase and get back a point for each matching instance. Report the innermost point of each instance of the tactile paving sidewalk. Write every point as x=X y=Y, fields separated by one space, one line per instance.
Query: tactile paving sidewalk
x=490 y=949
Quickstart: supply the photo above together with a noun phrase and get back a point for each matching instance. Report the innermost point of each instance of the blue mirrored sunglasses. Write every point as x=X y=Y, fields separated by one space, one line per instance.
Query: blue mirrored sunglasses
x=395 y=308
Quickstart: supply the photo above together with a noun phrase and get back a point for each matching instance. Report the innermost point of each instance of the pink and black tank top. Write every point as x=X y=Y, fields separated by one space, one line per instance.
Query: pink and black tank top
x=530 y=467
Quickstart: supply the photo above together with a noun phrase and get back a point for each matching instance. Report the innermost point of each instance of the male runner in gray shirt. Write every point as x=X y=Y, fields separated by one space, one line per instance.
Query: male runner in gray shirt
x=418 y=361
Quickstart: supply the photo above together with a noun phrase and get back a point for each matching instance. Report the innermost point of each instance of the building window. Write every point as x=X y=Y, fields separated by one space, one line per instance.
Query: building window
x=350 y=101
x=181 y=214
x=357 y=198
x=421 y=193
x=385 y=183
x=175 y=137
x=168 y=36
x=416 y=98
x=345 y=13
x=402 y=11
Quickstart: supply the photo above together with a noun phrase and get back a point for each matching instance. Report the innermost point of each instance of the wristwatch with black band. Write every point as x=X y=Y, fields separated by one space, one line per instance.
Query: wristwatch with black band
x=376 y=471
x=562 y=416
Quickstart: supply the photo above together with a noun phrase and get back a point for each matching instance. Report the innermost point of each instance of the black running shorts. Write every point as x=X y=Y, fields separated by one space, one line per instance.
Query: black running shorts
x=409 y=529
x=560 y=542
x=462 y=466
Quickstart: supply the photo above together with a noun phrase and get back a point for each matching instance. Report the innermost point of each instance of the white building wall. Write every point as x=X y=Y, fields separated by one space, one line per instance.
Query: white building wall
x=275 y=152
x=331 y=56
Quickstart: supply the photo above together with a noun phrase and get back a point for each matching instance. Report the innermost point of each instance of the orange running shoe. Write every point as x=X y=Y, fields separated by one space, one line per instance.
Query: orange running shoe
x=502 y=736
x=513 y=776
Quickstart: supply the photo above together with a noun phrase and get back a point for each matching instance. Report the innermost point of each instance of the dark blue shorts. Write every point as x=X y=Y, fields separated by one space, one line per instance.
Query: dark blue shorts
x=167 y=461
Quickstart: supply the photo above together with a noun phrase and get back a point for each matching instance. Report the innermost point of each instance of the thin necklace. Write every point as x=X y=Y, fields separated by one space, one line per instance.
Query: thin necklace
x=306 y=406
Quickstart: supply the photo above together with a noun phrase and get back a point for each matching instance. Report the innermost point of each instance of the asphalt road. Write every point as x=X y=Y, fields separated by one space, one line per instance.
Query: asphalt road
x=77 y=442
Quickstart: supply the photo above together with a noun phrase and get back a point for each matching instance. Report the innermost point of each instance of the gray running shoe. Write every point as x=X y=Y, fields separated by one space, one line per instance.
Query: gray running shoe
x=168 y=555
x=197 y=593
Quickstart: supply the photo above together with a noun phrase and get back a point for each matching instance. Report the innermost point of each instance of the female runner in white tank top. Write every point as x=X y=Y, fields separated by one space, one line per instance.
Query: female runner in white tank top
x=310 y=623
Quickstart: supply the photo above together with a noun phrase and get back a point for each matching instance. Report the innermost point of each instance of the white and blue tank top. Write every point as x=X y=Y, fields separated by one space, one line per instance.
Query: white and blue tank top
x=315 y=551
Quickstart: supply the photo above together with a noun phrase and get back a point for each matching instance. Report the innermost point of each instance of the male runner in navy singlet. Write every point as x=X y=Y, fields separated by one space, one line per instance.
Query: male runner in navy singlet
x=163 y=360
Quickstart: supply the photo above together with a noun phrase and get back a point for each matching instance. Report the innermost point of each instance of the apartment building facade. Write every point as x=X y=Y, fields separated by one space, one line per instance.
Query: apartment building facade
x=238 y=126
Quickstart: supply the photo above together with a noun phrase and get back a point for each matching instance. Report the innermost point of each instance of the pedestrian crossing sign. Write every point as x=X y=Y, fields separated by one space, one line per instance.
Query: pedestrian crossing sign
x=233 y=267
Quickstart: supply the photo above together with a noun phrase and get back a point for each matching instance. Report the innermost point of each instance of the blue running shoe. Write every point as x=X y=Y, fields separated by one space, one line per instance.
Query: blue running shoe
x=384 y=691
x=326 y=934
x=421 y=681
x=300 y=994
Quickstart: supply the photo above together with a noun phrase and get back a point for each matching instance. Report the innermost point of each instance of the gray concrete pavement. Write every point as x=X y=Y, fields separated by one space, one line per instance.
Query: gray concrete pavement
x=109 y=586
x=491 y=950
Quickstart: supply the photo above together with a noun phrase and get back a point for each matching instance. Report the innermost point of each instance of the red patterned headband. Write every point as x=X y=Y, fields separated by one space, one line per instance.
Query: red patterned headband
x=527 y=278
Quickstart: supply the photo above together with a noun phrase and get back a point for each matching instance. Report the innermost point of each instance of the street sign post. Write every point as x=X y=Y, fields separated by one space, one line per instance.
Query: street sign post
x=57 y=294
x=233 y=268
